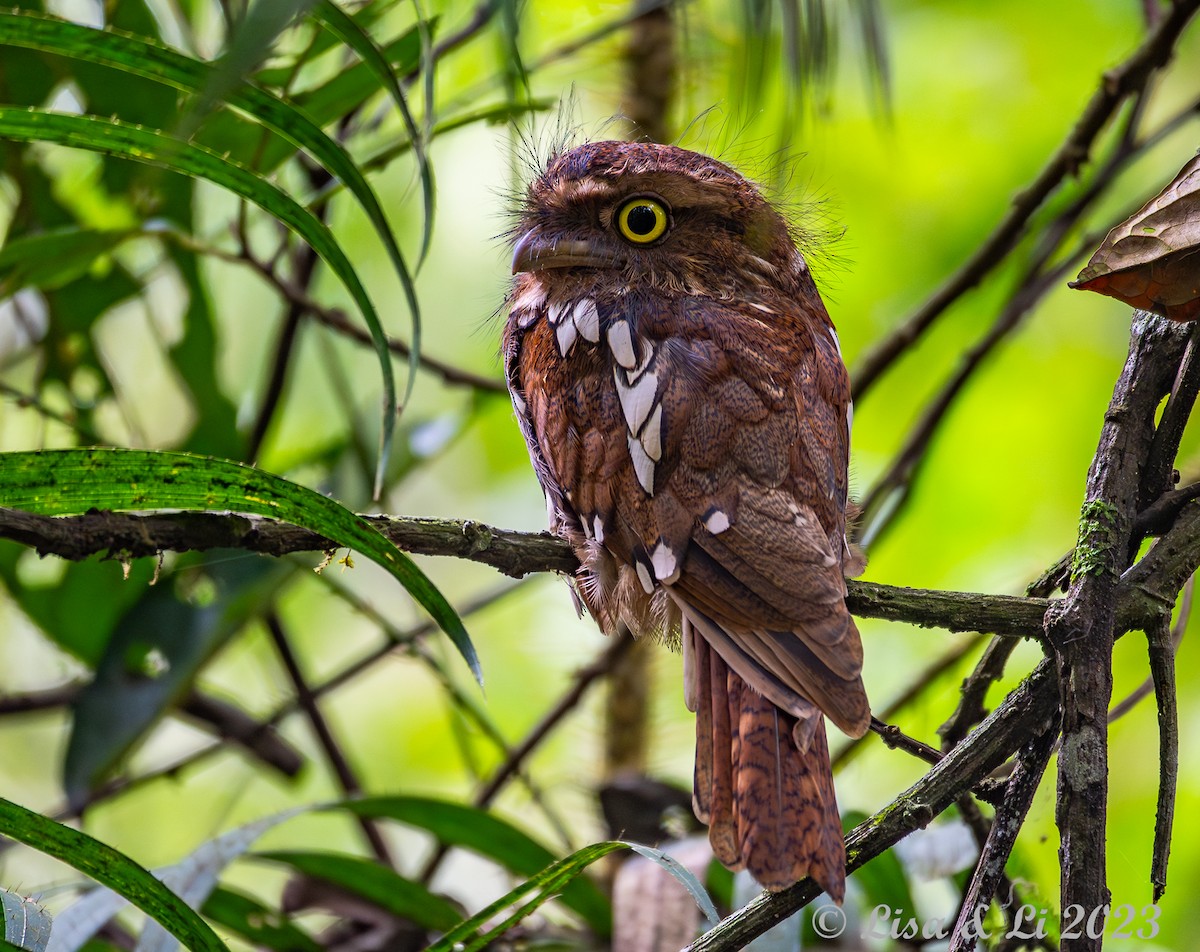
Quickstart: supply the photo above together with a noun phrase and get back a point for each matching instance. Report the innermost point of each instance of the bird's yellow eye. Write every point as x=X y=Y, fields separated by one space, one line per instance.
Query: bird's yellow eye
x=642 y=220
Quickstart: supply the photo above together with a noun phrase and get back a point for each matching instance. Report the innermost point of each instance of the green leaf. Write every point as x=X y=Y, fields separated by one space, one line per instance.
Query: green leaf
x=26 y=925
x=343 y=26
x=323 y=41
x=154 y=654
x=69 y=482
x=52 y=259
x=472 y=828
x=110 y=868
x=254 y=922
x=545 y=885
x=153 y=147
x=192 y=880
x=377 y=884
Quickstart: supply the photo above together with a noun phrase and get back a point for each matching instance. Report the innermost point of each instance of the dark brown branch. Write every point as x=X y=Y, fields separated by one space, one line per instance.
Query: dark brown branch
x=1158 y=475
x=346 y=777
x=1010 y=815
x=1162 y=671
x=1149 y=586
x=1117 y=84
x=895 y=739
x=213 y=714
x=1083 y=627
x=970 y=710
x=232 y=723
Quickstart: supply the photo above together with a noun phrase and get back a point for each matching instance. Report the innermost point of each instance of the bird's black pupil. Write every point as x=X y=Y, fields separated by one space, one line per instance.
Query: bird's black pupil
x=641 y=219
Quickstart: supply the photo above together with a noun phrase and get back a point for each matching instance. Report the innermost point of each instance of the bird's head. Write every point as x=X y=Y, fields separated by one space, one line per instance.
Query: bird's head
x=655 y=216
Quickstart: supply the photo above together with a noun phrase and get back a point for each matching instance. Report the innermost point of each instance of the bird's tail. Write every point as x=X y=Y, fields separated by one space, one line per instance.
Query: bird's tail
x=764 y=789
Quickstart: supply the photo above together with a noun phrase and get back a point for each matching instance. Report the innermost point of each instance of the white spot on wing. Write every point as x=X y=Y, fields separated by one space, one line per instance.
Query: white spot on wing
x=652 y=434
x=643 y=574
x=598 y=528
x=555 y=312
x=637 y=371
x=566 y=337
x=518 y=402
x=716 y=521
x=637 y=400
x=849 y=416
x=666 y=567
x=643 y=465
x=620 y=342
x=836 y=343
x=587 y=320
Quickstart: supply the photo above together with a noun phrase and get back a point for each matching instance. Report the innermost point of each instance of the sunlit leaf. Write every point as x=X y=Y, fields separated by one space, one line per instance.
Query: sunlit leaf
x=70 y=482
x=156 y=148
x=109 y=868
x=343 y=26
x=1152 y=259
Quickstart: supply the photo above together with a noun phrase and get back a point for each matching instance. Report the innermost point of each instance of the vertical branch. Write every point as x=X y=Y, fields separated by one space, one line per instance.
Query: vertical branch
x=1010 y=815
x=1081 y=628
x=1162 y=670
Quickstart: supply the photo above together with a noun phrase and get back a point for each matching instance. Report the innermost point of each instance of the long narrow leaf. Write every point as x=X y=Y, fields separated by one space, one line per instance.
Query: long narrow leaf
x=465 y=936
x=110 y=868
x=338 y=22
x=140 y=56
x=383 y=887
x=69 y=482
x=475 y=829
x=153 y=147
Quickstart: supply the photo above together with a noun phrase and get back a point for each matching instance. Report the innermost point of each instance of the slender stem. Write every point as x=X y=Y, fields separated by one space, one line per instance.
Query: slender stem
x=307 y=699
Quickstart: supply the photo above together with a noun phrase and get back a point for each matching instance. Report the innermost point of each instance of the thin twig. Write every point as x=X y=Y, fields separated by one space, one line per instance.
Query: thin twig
x=1117 y=84
x=895 y=739
x=1007 y=823
x=583 y=680
x=920 y=684
x=211 y=713
x=307 y=700
x=970 y=710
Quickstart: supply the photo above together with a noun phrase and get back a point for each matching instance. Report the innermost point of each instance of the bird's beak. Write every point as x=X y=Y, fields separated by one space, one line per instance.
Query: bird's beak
x=534 y=253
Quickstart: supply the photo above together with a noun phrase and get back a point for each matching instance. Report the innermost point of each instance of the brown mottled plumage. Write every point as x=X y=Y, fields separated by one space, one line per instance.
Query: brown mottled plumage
x=681 y=389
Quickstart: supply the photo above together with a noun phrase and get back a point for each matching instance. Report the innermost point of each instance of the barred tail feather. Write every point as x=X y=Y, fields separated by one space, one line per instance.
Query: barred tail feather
x=770 y=807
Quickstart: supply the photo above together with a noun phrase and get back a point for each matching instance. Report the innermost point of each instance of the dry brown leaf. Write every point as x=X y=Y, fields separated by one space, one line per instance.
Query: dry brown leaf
x=1152 y=260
